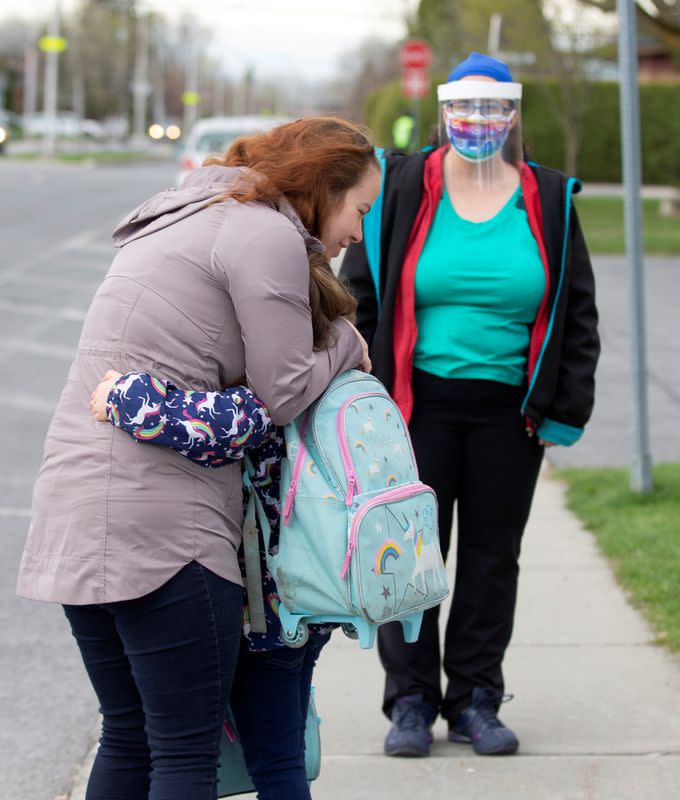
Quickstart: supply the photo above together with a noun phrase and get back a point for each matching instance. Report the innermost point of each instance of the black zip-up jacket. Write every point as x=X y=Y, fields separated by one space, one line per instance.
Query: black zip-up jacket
x=564 y=339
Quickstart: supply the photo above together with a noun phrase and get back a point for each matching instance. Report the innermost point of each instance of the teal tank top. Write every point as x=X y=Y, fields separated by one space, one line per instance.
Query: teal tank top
x=478 y=287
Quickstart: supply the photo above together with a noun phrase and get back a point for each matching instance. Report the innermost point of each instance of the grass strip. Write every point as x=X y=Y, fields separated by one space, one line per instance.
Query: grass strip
x=639 y=534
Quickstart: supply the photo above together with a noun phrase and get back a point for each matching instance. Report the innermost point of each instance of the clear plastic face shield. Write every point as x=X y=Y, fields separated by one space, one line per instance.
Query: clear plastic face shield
x=481 y=119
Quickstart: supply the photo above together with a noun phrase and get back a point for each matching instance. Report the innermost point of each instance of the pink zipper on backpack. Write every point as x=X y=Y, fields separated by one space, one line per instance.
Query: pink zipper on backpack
x=400 y=493
x=297 y=469
x=352 y=479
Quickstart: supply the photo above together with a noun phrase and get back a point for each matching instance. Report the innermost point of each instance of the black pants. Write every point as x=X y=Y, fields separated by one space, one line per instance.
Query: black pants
x=471 y=447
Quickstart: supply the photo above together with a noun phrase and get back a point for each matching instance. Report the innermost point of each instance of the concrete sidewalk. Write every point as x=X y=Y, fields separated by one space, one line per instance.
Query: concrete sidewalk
x=596 y=707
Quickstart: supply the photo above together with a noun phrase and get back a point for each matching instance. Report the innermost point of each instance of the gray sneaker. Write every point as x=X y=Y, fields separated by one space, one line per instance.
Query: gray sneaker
x=411 y=731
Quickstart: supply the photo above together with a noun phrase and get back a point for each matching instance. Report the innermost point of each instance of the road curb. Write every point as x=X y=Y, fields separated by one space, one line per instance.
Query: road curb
x=81 y=773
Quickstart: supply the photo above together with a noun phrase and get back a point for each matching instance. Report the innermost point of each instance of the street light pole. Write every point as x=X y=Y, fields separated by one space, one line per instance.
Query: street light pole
x=641 y=463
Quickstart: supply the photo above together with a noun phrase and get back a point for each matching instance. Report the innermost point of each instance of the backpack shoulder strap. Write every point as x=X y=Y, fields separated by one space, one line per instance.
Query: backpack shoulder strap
x=251 y=552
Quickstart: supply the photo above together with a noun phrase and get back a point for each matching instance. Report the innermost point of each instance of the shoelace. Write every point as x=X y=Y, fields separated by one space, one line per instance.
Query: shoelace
x=410 y=717
x=487 y=710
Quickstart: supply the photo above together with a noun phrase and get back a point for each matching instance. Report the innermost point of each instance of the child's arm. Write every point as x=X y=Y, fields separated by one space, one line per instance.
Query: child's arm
x=210 y=428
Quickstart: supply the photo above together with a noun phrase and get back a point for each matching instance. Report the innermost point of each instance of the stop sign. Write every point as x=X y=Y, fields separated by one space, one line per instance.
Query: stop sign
x=415 y=54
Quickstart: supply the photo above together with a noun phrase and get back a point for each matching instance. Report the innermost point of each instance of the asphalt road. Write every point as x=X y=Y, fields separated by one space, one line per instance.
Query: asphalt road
x=608 y=439
x=55 y=225
x=55 y=228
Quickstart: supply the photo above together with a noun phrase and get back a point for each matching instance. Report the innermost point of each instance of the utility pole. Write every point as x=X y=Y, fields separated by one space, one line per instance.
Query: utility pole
x=51 y=48
x=158 y=69
x=30 y=80
x=641 y=466
x=495 y=34
x=190 y=97
x=140 y=84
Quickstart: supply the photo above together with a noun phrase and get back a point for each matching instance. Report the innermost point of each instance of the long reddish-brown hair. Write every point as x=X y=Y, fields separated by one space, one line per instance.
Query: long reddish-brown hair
x=312 y=162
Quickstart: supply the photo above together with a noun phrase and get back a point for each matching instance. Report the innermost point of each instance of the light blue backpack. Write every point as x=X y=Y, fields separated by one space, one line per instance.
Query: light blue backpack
x=358 y=542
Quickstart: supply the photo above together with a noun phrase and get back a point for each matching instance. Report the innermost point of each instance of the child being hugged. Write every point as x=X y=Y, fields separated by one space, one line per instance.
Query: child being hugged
x=214 y=429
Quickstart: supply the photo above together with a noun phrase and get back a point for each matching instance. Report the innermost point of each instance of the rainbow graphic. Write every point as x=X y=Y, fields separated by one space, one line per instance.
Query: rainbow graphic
x=274 y=600
x=391 y=480
x=159 y=386
x=359 y=445
x=267 y=479
x=149 y=433
x=241 y=440
x=201 y=427
x=388 y=549
x=311 y=468
x=115 y=415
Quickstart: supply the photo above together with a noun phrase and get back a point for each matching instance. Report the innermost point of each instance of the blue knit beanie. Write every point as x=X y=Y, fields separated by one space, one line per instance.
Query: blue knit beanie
x=480 y=64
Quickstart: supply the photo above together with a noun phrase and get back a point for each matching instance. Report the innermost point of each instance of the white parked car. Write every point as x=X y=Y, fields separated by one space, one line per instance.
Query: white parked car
x=213 y=135
x=65 y=124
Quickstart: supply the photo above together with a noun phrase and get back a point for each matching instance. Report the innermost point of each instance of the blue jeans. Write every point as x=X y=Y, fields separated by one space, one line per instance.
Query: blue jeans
x=162 y=667
x=270 y=700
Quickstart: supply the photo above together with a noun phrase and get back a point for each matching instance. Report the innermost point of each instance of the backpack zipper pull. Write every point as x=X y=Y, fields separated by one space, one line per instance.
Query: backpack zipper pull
x=351 y=488
x=348 y=558
x=290 y=499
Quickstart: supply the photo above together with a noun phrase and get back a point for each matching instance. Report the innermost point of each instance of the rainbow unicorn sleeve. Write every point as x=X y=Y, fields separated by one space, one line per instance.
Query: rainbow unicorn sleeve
x=209 y=428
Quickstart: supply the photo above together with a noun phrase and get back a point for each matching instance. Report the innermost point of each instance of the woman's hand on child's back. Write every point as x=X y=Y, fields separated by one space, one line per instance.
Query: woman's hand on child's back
x=100 y=395
x=365 y=364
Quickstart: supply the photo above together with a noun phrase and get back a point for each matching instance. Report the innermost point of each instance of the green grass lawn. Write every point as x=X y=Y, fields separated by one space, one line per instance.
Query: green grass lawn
x=639 y=534
x=602 y=221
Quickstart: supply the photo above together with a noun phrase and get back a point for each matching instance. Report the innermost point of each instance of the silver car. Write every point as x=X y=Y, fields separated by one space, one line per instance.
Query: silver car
x=213 y=135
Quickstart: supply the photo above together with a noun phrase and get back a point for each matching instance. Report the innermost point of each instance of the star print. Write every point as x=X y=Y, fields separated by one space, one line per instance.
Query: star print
x=386 y=592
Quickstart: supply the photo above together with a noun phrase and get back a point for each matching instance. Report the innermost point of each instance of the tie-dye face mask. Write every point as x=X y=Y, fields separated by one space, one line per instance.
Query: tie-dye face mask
x=477 y=136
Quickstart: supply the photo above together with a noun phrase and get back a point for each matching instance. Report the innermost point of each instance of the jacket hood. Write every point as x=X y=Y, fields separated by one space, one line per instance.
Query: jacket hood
x=199 y=188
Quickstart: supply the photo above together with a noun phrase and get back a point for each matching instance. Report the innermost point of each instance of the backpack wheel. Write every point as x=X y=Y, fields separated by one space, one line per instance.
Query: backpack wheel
x=349 y=630
x=298 y=637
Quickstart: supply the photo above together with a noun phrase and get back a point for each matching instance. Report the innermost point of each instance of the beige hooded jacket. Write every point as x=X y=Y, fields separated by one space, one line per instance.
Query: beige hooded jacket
x=200 y=294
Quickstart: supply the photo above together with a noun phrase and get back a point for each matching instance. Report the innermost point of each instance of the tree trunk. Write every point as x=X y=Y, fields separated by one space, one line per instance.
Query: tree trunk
x=571 y=149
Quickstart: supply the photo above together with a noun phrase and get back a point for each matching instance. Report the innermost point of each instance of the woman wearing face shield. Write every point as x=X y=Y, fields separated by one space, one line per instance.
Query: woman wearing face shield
x=476 y=293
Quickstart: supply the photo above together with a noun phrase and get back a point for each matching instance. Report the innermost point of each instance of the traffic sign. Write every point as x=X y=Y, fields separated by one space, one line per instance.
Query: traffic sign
x=52 y=44
x=415 y=83
x=415 y=54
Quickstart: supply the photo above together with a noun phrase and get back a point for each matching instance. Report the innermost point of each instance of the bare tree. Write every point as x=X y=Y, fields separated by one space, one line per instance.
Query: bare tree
x=658 y=17
x=373 y=64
